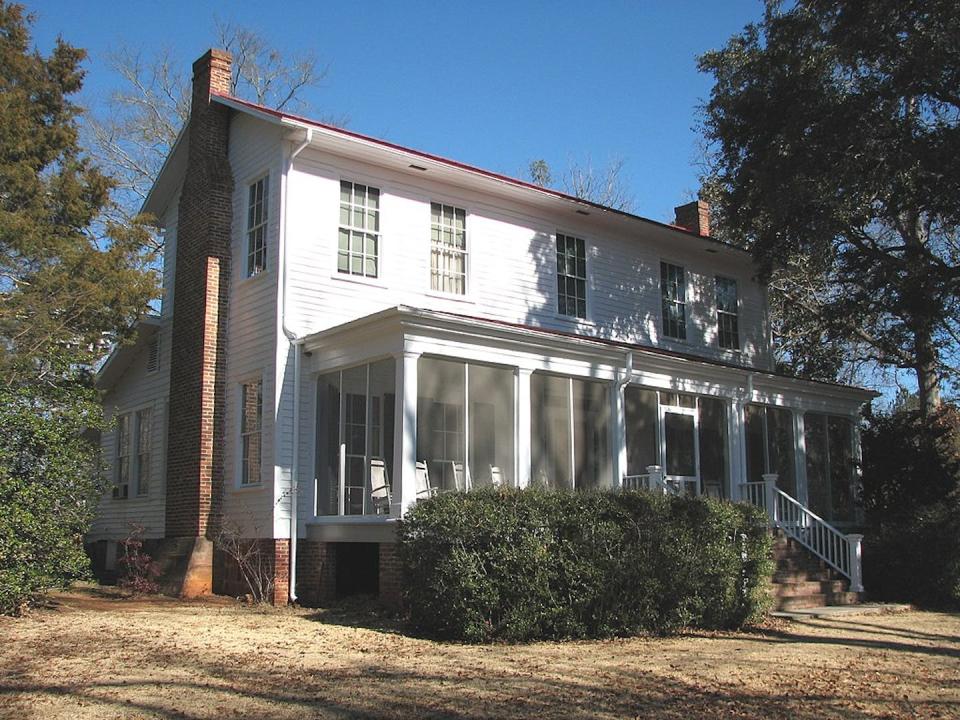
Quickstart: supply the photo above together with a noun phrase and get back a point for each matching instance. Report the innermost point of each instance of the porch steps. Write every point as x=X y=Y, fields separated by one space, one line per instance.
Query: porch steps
x=802 y=580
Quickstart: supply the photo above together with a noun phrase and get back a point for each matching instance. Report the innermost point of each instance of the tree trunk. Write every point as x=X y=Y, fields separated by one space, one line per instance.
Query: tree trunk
x=928 y=377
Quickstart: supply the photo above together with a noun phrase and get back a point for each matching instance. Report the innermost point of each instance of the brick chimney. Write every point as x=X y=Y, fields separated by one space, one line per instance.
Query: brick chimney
x=694 y=216
x=195 y=454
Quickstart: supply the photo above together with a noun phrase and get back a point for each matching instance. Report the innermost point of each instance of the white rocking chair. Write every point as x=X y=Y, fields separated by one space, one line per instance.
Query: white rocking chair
x=380 y=494
x=424 y=489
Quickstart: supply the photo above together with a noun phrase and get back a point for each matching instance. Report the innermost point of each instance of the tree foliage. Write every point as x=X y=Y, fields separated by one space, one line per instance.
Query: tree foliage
x=911 y=494
x=139 y=124
x=66 y=291
x=65 y=288
x=582 y=179
x=49 y=487
x=835 y=147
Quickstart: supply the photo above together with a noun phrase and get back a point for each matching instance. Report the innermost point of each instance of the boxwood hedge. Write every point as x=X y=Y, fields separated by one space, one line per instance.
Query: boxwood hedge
x=520 y=565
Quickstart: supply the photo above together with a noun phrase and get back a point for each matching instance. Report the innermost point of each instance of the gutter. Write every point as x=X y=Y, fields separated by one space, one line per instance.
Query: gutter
x=296 y=343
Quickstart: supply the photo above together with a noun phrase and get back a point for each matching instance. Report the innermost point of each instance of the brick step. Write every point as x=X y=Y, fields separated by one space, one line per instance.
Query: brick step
x=801 y=602
x=805 y=576
x=805 y=563
x=796 y=589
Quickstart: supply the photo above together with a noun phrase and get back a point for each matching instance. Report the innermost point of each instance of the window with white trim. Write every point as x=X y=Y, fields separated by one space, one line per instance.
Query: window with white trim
x=121 y=480
x=571 y=276
x=728 y=334
x=251 y=411
x=257 y=203
x=131 y=467
x=448 y=249
x=358 y=244
x=673 y=294
x=144 y=420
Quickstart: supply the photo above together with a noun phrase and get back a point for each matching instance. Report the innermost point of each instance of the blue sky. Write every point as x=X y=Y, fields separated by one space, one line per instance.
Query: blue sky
x=494 y=84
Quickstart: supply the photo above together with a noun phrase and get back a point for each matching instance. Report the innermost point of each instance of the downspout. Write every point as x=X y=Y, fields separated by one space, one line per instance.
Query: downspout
x=297 y=344
x=628 y=371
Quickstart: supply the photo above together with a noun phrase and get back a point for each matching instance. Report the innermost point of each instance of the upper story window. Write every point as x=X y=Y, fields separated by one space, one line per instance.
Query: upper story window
x=673 y=294
x=257 y=202
x=251 y=410
x=728 y=334
x=358 y=249
x=571 y=276
x=448 y=249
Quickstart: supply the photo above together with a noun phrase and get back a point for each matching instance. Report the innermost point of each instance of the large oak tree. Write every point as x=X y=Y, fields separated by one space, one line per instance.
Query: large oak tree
x=836 y=147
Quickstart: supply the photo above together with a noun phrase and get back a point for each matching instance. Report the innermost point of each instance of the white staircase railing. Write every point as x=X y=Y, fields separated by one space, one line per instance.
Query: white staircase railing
x=842 y=552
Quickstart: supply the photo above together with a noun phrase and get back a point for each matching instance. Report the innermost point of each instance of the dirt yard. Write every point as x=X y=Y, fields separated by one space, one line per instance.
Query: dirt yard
x=94 y=655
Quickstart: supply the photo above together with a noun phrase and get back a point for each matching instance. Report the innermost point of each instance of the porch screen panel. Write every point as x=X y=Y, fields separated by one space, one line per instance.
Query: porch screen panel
x=383 y=381
x=328 y=444
x=550 y=431
x=818 y=481
x=840 y=457
x=640 y=407
x=713 y=446
x=756 y=444
x=354 y=399
x=491 y=424
x=591 y=434
x=440 y=421
x=781 y=449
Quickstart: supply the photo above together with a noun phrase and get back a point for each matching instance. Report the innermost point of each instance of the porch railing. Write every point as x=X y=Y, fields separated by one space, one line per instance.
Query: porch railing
x=655 y=481
x=651 y=480
x=841 y=552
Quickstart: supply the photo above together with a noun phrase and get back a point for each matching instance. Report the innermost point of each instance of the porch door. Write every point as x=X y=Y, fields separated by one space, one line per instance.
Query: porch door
x=680 y=447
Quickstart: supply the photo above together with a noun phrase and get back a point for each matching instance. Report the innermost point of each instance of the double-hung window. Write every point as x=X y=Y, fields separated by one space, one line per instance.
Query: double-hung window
x=121 y=487
x=257 y=203
x=728 y=334
x=133 y=435
x=571 y=276
x=251 y=410
x=448 y=249
x=144 y=419
x=673 y=294
x=358 y=245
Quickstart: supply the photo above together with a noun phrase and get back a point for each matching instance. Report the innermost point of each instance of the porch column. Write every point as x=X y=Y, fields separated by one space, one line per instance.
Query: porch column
x=857 y=454
x=405 y=447
x=618 y=431
x=523 y=426
x=738 y=448
x=800 y=456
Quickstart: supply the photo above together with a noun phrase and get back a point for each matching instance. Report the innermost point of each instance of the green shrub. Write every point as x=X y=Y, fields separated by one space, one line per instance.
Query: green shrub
x=48 y=489
x=529 y=564
x=911 y=487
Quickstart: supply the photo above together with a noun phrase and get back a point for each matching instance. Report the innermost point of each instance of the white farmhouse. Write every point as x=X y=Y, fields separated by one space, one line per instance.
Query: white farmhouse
x=349 y=325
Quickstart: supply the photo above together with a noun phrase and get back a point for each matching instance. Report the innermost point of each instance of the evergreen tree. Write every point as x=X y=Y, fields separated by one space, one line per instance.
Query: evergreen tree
x=836 y=148
x=70 y=285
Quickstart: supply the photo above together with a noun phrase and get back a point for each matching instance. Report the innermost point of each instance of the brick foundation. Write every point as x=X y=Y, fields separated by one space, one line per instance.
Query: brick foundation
x=390 y=575
x=275 y=556
x=317 y=573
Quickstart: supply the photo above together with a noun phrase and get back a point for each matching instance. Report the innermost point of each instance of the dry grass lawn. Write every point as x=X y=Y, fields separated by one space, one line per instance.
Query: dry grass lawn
x=94 y=655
